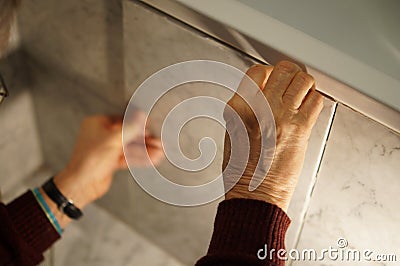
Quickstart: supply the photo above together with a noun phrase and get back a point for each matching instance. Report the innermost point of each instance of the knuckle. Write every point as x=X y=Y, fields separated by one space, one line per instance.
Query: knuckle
x=259 y=69
x=317 y=98
x=287 y=66
x=254 y=69
x=304 y=78
x=289 y=99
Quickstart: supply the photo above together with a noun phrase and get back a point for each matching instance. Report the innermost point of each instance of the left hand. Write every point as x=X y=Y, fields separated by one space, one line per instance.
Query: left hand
x=98 y=154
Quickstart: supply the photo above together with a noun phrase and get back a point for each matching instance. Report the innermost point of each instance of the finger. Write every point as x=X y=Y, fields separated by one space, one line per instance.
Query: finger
x=149 y=142
x=116 y=123
x=141 y=159
x=122 y=162
x=257 y=74
x=116 y=119
x=156 y=155
x=280 y=78
x=298 y=89
x=134 y=125
x=153 y=142
x=312 y=105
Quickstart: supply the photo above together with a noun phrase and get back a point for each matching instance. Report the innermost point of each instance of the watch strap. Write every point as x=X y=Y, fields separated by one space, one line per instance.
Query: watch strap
x=65 y=205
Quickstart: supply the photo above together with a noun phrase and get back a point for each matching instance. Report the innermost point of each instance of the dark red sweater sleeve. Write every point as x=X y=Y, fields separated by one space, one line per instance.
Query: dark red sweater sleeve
x=25 y=231
x=242 y=227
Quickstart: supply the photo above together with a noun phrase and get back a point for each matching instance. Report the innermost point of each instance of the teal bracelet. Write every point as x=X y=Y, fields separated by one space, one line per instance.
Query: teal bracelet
x=46 y=209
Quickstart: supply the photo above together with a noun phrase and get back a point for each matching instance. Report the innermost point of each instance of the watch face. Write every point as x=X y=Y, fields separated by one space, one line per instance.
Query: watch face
x=3 y=89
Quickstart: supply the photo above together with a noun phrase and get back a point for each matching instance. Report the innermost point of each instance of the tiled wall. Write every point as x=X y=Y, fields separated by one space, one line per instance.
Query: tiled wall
x=356 y=194
x=151 y=42
x=87 y=57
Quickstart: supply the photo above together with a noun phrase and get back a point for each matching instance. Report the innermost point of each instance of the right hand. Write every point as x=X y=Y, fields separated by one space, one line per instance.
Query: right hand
x=295 y=105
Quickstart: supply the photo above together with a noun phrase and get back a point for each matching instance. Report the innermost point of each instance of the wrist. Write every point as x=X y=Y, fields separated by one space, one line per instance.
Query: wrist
x=62 y=219
x=66 y=182
x=267 y=193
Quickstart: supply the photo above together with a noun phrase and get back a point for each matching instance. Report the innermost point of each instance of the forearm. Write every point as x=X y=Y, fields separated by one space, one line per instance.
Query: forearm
x=25 y=231
x=243 y=227
x=32 y=223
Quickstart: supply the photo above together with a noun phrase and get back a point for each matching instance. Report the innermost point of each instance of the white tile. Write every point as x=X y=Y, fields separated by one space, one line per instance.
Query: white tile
x=356 y=193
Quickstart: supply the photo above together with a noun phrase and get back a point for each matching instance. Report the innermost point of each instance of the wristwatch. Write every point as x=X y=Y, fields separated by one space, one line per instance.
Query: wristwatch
x=65 y=205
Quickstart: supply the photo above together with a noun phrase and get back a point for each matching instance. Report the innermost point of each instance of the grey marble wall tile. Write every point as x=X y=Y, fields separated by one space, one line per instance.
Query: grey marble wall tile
x=356 y=194
x=153 y=41
x=82 y=39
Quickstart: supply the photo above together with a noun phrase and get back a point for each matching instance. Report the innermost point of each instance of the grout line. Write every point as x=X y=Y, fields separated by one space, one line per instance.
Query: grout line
x=194 y=29
x=317 y=169
x=327 y=135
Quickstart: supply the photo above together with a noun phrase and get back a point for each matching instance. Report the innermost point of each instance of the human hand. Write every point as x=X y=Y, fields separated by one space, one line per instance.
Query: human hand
x=295 y=106
x=98 y=154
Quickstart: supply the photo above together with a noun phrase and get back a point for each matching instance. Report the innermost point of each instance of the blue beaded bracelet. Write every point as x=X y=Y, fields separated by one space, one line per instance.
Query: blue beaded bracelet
x=46 y=209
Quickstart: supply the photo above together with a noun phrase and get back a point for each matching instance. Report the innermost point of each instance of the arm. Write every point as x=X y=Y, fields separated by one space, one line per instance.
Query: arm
x=249 y=225
x=25 y=230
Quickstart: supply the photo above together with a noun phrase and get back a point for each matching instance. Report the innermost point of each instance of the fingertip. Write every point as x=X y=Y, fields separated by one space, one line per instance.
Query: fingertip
x=259 y=74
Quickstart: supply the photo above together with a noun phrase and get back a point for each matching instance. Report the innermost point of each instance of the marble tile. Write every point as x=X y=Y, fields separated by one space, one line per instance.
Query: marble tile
x=100 y=239
x=355 y=196
x=151 y=42
x=19 y=142
x=82 y=39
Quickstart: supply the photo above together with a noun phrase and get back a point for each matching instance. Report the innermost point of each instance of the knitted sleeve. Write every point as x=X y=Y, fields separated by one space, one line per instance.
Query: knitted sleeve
x=245 y=231
x=25 y=231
